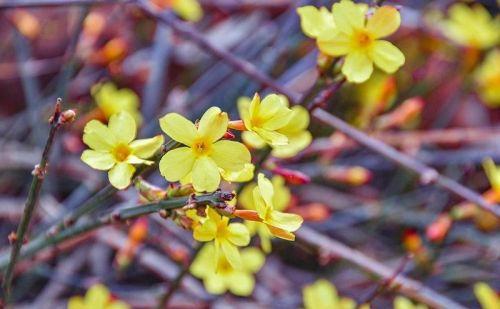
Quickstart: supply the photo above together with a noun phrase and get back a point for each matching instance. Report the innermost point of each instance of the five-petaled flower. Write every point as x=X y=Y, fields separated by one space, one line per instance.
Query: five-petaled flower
x=204 y=156
x=219 y=276
x=114 y=148
x=97 y=297
x=264 y=118
x=226 y=236
x=358 y=38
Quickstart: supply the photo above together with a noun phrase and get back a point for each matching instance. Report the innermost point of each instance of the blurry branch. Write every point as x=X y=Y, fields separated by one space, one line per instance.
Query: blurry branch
x=57 y=119
x=41 y=243
x=427 y=174
x=406 y=286
x=237 y=63
x=7 y=4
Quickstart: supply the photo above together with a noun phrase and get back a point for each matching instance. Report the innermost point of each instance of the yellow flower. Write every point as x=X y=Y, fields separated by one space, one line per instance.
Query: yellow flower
x=280 y=224
x=404 y=303
x=219 y=276
x=97 y=297
x=113 y=148
x=323 y=295
x=294 y=129
x=281 y=199
x=226 y=236
x=314 y=22
x=263 y=119
x=188 y=9
x=111 y=100
x=471 y=26
x=205 y=155
x=358 y=39
x=486 y=296
x=487 y=77
x=492 y=172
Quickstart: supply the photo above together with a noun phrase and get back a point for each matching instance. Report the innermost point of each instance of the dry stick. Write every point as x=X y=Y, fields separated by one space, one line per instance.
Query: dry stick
x=47 y=3
x=427 y=174
x=237 y=63
x=34 y=192
x=406 y=286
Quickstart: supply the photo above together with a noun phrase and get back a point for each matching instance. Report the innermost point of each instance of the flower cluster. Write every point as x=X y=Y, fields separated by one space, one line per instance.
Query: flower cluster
x=350 y=30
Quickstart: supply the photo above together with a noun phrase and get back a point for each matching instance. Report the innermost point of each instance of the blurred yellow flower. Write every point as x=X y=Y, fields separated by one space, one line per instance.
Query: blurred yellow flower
x=404 y=303
x=471 y=26
x=323 y=295
x=113 y=148
x=205 y=155
x=293 y=128
x=263 y=119
x=280 y=224
x=226 y=236
x=188 y=9
x=487 y=77
x=314 y=22
x=281 y=199
x=486 y=296
x=111 y=100
x=219 y=276
x=358 y=38
x=97 y=297
x=492 y=172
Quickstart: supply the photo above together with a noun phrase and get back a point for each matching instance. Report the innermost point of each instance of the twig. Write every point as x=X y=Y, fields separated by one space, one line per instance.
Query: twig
x=47 y=3
x=118 y=216
x=34 y=192
x=387 y=283
x=408 y=287
x=237 y=63
x=427 y=174
x=176 y=283
x=320 y=100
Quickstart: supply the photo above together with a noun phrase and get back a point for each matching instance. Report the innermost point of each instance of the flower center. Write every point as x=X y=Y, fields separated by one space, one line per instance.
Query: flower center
x=221 y=230
x=121 y=152
x=201 y=147
x=362 y=39
x=224 y=266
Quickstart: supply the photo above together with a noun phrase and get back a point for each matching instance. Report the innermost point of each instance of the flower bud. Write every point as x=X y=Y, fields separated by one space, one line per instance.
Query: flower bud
x=355 y=175
x=237 y=125
x=67 y=116
x=437 y=230
x=291 y=176
x=26 y=23
x=406 y=113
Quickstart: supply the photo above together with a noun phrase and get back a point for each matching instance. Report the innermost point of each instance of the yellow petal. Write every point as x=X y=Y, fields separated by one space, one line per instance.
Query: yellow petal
x=118 y=304
x=385 y=21
x=486 y=296
x=280 y=233
x=231 y=253
x=402 y=303
x=188 y=9
x=492 y=172
x=76 y=302
x=321 y=294
x=286 y=221
x=265 y=237
x=253 y=139
x=259 y=203
x=215 y=284
x=254 y=107
x=203 y=265
x=357 y=67
x=120 y=175
x=296 y=143
x=243 y=175
x=145 y=148
x=387 y=56
x=206 y=175
x=98 y=136
x=97 y=296
x=177 y=163
x=123 y=126
x=272 y=137
x=347 y=303
x=282 y=195
x=245 y=198
x=241 y=283
x=298 y=122
x=244 y=111
x=238 y=234
x=266 y=189
x=179 y=128
x=205 y=232
x=132 y=159
x=213 y=124
x=334 y=44
x=230 y=155
x=274 y=108
x=348 y=16
x=314 y=21
x=252 y=259
x=98 y=160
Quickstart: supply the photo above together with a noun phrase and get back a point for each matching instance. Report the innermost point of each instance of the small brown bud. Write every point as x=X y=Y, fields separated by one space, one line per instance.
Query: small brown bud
x=67 y=116
x=12 y=237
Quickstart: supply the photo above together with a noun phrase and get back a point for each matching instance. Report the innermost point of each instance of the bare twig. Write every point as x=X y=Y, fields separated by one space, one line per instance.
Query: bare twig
x=427 y=174
x=47 y=3
x=408 y=287
x=34 y=192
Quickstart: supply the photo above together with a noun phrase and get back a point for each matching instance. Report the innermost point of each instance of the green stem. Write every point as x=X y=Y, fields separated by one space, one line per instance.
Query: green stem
x=31 y=201
x=125 y=214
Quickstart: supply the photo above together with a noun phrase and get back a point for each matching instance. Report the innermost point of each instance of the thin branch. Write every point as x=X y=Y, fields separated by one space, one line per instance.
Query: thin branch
x=237 y=63
x=406 y=286
x=8 y=4
x=427 y=174
x=33 y=195
x=212 y=199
